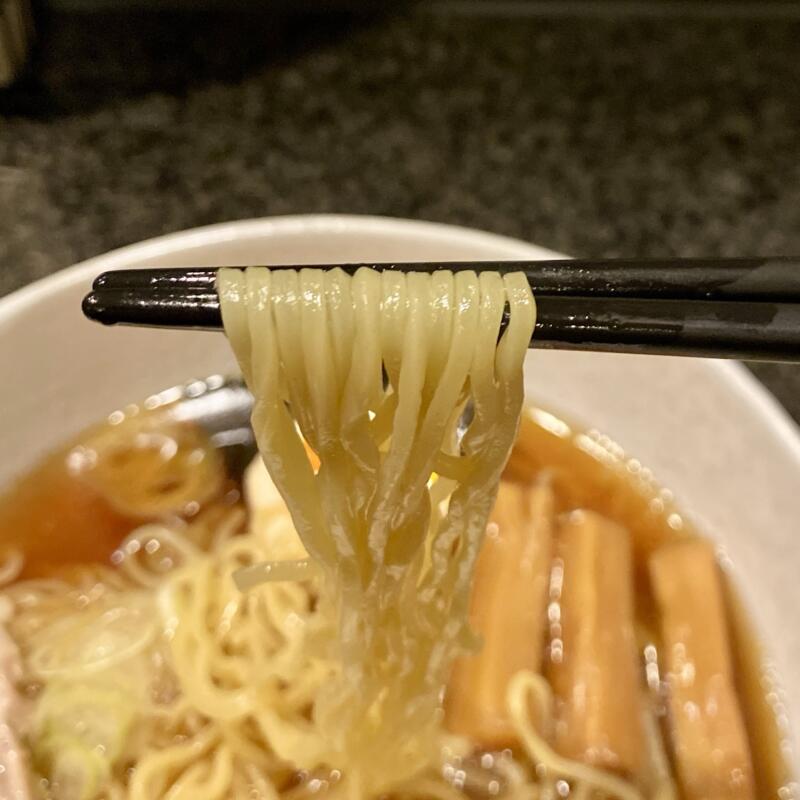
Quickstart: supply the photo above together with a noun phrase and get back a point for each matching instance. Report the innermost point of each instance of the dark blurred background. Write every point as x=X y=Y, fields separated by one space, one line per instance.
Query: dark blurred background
x=593 y=128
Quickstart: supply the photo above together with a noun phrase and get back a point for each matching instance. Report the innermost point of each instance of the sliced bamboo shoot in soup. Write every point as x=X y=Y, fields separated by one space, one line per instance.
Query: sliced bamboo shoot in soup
x=705 y=723
x=592 y=661
x=508 y=610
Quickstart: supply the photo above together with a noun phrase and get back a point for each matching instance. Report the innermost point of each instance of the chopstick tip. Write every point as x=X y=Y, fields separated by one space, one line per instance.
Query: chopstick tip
x=94 y=309
x=100 y=281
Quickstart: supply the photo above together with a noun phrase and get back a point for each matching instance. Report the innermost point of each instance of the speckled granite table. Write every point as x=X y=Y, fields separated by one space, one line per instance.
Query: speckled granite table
x=593 y=136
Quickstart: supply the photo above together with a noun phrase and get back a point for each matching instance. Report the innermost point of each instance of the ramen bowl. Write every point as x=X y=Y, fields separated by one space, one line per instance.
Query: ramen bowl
x=706 y=429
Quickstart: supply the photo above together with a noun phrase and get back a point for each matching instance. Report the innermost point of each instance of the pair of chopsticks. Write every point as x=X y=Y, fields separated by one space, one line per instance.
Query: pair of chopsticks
x=726 y=308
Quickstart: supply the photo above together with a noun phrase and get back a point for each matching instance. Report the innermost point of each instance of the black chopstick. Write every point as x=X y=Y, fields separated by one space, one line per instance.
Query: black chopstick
x=744 y=316
x=775 y=278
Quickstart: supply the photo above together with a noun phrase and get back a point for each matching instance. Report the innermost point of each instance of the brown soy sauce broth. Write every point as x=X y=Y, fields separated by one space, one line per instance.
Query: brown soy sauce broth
x=79 y=504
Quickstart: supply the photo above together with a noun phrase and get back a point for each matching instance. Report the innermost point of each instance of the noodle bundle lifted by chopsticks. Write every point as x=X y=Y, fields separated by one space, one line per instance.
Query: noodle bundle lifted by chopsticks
x=374 y=373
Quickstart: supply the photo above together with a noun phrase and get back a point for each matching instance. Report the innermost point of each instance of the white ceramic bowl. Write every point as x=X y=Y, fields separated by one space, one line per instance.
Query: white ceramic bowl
x=707 y=429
